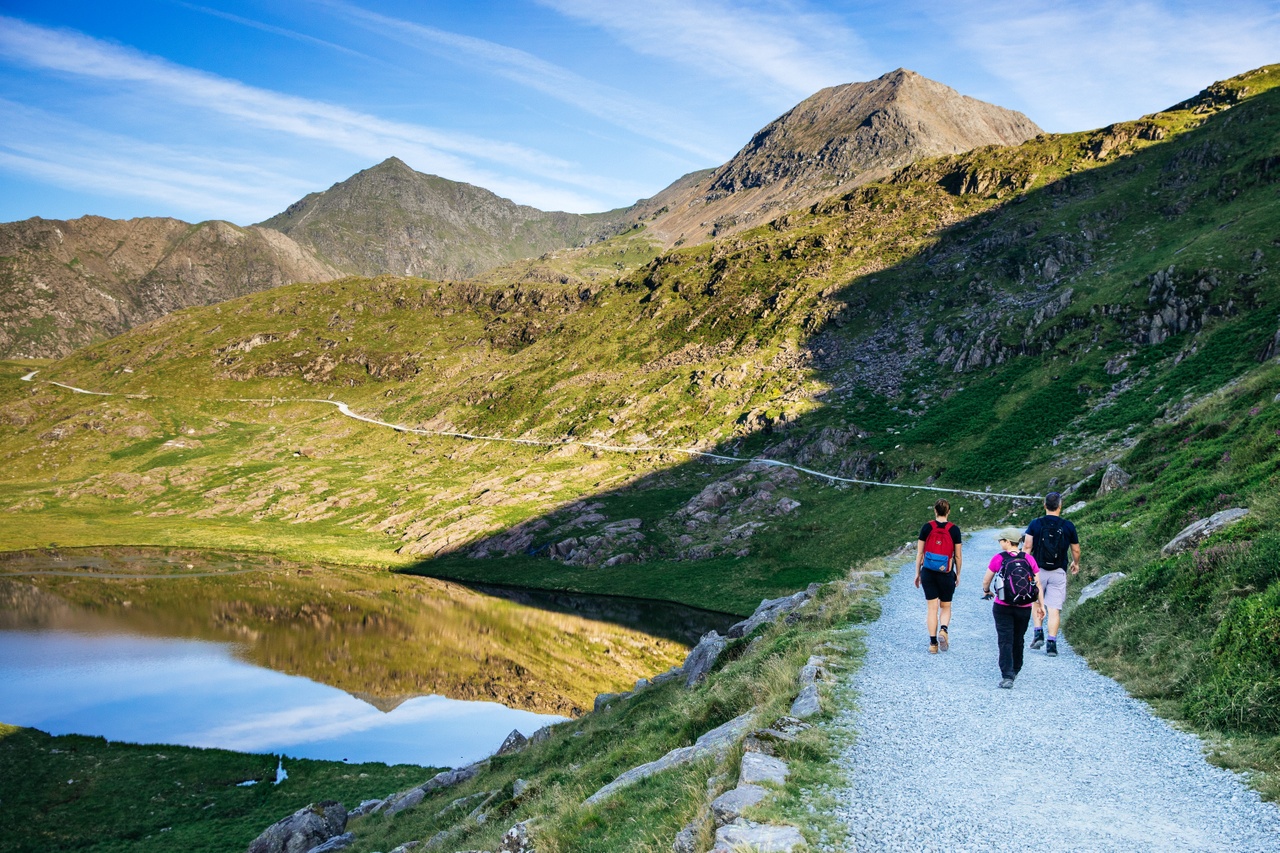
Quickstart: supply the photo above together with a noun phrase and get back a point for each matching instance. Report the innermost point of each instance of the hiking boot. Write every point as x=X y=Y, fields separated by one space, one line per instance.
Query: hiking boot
x=944 y=642
x=933 y=648
x=1037 y=640
x=1052 y=649
x=1006 y=683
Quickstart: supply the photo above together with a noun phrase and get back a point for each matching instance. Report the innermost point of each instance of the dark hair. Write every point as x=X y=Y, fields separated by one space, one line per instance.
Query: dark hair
x=1052 y=501
x=942 y=507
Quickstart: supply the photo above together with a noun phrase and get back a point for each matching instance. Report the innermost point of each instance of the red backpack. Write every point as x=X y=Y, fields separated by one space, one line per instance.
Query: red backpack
x=939 y=547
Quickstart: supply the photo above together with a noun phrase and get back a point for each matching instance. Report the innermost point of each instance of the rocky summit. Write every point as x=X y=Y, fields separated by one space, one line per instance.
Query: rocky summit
x=837 y=138
x=392 y=219
x=65 y=284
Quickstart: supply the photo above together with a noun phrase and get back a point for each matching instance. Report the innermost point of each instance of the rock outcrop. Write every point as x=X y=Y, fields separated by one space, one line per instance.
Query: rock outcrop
x=1193 y=534
x=307 y=828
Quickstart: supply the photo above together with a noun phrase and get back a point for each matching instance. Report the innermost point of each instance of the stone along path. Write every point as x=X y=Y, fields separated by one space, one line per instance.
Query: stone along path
x=1065 y=761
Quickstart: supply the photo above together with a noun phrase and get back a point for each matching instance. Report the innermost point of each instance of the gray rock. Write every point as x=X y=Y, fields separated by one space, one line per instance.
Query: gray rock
x=759 y=838
x=758 y=767
x=308 y=827
x=730 y=805
x=807 y=703
x=702 y=658
x=406 y=847
x=1193 y=534
x=338 y=842
x=397 y=803
x=514 y=743
x=687 y=839
x=811 y=673
x=768 y=611
x=1099 y=586
x=619 y=560
x=641 y=684
x=518 y=838
x=1075 y=507
x=716 y=741
x=1113 y=479
x=541 y=735
x=364 y=808
x=604 y=700
x=402 y=801
x=786 y=505
x=664 y=677
x=518 y=789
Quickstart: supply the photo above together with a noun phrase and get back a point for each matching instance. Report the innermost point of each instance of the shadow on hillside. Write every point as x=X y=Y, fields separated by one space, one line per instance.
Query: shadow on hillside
x=1011 y=262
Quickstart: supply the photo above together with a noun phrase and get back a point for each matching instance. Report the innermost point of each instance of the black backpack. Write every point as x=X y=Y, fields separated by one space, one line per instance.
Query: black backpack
x=1050 y=547
x=1015 y=583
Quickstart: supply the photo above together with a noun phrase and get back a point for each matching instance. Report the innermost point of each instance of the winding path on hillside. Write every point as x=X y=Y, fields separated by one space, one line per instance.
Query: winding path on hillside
x=539 y=442
x=1065 y=761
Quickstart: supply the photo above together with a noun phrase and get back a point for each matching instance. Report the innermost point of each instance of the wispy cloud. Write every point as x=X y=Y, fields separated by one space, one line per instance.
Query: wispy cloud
x=783 y=50
x=274 y=30
x=372 y=138
x=1094 y=62
x=65 y=153
x=604 y=102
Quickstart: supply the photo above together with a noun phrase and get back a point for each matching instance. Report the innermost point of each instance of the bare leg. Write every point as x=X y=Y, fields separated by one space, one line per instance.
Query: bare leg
x=944 y=612
x=931 y=620
x=1054 y=616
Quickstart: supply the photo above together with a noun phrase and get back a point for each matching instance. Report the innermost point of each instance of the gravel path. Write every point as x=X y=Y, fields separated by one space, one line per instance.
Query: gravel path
x=1065 y=761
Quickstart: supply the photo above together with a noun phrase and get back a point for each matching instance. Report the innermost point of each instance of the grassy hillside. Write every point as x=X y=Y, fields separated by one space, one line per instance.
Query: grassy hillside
x=1011 y=319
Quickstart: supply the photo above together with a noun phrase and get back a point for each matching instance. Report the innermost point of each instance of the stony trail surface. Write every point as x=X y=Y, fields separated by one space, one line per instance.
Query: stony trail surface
x=1065 y=761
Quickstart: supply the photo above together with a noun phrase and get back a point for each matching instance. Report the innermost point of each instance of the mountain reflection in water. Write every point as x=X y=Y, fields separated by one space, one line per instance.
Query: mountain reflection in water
x=378 y=636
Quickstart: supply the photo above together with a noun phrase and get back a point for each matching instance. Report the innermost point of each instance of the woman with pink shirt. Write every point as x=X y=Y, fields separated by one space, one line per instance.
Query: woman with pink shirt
x=1012 y=608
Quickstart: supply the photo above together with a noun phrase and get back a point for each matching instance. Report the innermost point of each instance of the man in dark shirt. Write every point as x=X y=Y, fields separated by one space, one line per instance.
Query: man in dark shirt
x=1050 y=538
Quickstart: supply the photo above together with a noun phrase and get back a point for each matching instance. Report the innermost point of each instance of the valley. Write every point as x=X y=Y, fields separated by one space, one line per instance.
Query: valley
x=1096 y=313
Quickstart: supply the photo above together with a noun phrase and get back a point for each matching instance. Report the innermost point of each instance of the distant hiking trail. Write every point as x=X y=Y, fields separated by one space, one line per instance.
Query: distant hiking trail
x=1065 y=761
x=533 y=442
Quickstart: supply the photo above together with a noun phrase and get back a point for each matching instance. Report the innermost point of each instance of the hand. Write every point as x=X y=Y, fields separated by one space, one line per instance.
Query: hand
x=1075 y=568
x=917 y=580
x=987 y=596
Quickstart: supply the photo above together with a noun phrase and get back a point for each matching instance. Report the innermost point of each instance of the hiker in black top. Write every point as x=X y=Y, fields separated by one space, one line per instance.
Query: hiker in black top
x=1050 y=539
x=938 y=572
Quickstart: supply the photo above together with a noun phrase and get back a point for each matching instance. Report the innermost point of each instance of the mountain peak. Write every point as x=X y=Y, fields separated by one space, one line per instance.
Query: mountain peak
x=874 y=127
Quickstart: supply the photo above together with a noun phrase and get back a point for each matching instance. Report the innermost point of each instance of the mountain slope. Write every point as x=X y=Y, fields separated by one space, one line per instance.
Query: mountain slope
x=390 y=218
x=65 y=284
x=838 y=138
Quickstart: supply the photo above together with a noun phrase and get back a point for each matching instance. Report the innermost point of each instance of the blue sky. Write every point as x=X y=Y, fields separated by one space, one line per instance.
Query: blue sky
x=233 y=109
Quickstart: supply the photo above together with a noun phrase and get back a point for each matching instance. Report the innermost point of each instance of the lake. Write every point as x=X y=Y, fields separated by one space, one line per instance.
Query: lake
x=261 y=655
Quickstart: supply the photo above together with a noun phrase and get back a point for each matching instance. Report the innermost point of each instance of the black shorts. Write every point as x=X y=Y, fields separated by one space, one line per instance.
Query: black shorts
x=940 y=585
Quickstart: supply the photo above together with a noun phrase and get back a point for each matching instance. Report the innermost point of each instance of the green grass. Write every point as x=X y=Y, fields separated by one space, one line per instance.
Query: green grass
x=75 y=793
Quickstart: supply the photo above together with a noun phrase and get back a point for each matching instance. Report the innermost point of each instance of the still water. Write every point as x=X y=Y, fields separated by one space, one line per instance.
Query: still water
x=309 y=661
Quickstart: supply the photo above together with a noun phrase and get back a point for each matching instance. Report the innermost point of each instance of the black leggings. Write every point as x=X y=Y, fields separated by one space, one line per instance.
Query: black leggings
x=1011 y=631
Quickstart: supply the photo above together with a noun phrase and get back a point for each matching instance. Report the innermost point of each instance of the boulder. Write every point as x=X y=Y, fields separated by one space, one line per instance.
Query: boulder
x=1099 y=586
x=364 y=808
x=518 y=789
x=604 y=700
x=703 y=657
x=758 y=767
x=306 y=828
x=760 y=838
x=397 y=803
x=730 y=805
x=338 y=842
x=514 y=743
x=687 y=839
x=715 y=742
x=1075 y=507
x=1113 y=479
x=768 y=611
x=807 y=703
x=517 y=839
x=406 y=847
x=1193 y=534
